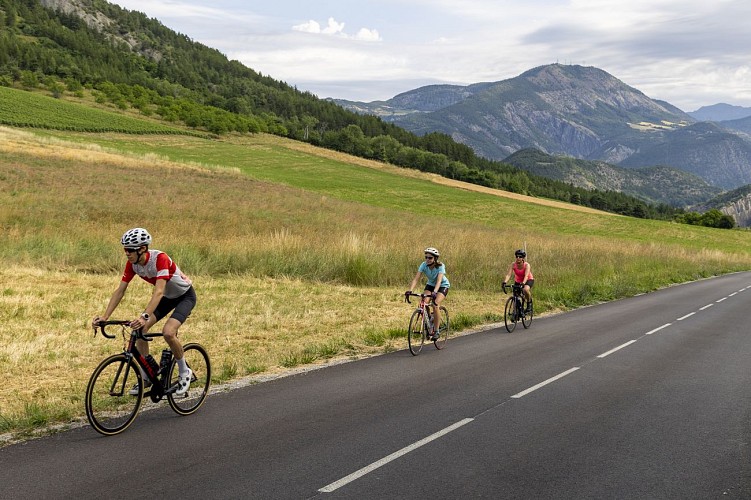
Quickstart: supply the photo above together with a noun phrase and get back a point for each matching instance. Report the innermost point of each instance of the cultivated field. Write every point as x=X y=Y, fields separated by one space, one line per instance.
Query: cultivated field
x=299 y=255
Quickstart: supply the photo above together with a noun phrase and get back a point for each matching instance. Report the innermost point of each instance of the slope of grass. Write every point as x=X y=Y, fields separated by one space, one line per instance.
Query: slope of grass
x=26 y=109
x=298 y=255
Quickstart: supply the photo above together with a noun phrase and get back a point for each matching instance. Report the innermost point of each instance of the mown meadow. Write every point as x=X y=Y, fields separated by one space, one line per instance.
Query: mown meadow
x=299 y=255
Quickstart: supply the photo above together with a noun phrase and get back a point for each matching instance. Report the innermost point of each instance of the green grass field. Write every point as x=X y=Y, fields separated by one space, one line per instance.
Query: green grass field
x=299 y=254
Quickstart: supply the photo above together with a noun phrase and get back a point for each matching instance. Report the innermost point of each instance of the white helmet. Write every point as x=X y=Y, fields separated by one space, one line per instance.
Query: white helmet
x=432 y=251
x=135 y=238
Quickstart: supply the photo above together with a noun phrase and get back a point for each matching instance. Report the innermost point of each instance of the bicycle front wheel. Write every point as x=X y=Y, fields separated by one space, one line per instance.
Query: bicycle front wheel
x=509 y=315
x=198 y=362
x=416 y=332
x=528 y=310
x=444 y=329
x=110 y=407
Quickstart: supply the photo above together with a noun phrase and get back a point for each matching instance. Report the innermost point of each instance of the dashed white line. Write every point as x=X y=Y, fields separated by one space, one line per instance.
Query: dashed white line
x=734 y=293
x=658 y=329
x=706 y=307
x=542 y=384
x=718 y=301
x=611 y=351
x=365 y=470
x=686 y=316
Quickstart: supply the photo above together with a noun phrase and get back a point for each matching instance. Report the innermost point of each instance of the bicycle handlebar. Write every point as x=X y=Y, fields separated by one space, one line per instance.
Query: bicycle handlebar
x=413 y=294
x=513 y=286
x=101 y=325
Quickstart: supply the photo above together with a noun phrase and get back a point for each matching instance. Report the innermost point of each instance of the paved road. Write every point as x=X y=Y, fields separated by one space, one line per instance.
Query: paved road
x=648 y=397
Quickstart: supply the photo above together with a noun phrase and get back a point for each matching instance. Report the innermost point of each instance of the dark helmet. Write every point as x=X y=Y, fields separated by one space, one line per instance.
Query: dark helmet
x=521 y=253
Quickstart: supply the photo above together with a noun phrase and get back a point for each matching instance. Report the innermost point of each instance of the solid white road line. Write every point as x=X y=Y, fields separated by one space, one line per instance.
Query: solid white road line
x=365 y=470
x=542 y=384
x=611 y=351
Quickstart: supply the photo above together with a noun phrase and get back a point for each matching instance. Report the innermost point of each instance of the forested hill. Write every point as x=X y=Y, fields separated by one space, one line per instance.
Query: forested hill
x=126 y=60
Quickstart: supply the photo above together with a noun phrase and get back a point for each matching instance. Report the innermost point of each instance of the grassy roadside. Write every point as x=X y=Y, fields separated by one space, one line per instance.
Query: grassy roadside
x=298 y=257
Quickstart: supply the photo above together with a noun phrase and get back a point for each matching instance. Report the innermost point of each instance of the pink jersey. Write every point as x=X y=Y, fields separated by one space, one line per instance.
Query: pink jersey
x=519 y=278
x=159 y=267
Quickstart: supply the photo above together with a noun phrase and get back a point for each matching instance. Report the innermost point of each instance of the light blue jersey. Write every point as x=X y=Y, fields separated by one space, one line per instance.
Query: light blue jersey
x=432 y=274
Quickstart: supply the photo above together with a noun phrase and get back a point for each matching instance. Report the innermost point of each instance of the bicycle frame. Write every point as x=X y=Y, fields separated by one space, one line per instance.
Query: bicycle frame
x=111 y=407
x=425 y=308
x=157 y=379
x=518 y=310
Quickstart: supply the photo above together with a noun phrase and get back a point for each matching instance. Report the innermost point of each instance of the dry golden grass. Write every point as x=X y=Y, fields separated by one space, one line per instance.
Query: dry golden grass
x=249 y=325
x=272 y=263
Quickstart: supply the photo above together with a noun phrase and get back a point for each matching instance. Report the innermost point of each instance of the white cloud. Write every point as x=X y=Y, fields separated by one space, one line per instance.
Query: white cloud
x=337 y=29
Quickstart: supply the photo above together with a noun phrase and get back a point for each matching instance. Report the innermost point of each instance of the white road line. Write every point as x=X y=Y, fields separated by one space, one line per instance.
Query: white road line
x=611 y=351
x=718 y=301
x=365 y=470
x=734 y=293
x=686 y=316
x=542 y=384
x=658 y=329
x=706 y=307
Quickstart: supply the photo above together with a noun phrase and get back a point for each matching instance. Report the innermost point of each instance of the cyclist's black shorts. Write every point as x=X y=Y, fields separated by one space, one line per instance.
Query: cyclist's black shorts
x=531 y=283
x=182 y=306
x=444 y=289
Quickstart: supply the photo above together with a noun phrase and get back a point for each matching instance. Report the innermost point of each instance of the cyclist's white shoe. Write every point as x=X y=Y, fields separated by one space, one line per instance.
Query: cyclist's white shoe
x=183 y=383
x=134 y=390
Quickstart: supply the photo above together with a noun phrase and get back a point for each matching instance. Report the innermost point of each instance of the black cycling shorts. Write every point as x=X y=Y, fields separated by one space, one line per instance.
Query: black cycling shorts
x=444 y=289
x=182 y=306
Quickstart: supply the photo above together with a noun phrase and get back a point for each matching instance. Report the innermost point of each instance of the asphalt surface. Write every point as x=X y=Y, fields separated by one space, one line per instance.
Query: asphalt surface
x=648 y=397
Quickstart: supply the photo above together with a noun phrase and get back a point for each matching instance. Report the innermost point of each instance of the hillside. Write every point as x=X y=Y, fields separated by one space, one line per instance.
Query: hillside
x=720 y=112
x=582 y=112
x=93 y=50
x=704 y=149
x=559 y=109
x=652 y=184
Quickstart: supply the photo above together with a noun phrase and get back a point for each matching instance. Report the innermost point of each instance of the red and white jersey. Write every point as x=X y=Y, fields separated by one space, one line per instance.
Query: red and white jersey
x=159 y=267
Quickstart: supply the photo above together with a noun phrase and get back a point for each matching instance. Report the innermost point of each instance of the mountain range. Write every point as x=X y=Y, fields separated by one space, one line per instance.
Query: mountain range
x=577 y=111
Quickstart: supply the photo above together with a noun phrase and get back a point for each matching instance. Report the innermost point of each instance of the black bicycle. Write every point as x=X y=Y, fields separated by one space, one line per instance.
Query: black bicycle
x=517 y=308
x=421 y=325
x=116 y=388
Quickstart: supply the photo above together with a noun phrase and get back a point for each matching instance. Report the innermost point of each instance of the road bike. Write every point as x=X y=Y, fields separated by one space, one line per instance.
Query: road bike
x=421 y=324
x=113 y=401
x=517 y=308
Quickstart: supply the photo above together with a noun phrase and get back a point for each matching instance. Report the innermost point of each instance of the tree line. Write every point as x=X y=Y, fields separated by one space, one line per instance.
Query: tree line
x=136 y=62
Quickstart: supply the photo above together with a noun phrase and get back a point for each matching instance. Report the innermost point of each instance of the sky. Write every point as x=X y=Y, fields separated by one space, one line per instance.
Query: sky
x=690 y=53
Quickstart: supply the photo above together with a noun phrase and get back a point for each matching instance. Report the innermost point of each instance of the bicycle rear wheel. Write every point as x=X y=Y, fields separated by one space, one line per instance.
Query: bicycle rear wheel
x=509 y=315
x=198 y=362
x=109 y=406
x=527 y=307
x=416 y=332
x=444 y=329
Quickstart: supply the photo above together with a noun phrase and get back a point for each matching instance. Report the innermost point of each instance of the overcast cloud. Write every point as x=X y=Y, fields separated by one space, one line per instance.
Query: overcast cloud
x=690 y=53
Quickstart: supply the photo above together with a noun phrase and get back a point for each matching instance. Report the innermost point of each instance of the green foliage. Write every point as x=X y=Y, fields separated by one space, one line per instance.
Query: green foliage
x=711 y=218
x=24 y=109
x=166 y=74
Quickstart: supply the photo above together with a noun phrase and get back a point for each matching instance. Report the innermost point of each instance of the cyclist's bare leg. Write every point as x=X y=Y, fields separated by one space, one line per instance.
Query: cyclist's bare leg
x=437 y=311
x=170 y=331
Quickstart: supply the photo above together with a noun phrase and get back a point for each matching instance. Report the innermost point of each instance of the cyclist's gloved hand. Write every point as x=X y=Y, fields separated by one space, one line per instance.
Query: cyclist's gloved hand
x=504 y=287
x=433 y=295
x=406 y=295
